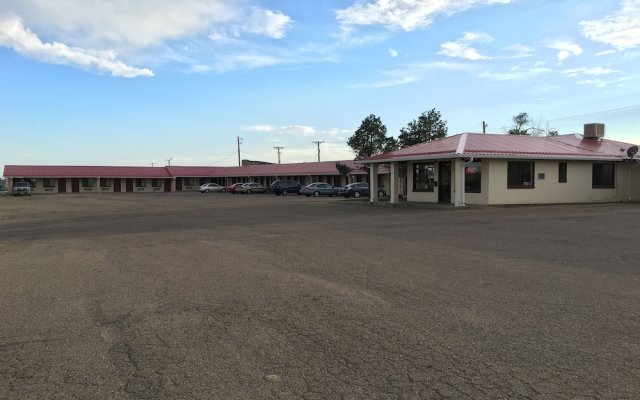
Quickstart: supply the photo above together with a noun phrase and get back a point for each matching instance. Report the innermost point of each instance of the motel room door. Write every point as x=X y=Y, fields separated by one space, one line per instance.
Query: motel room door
x=117 y=185
x=444 y=182
x=62 y=185
x=75 y=185
x=167 y=185
x=129 y=184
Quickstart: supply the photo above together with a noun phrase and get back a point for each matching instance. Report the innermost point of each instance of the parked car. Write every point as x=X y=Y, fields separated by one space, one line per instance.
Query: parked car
x=284 y=187
x=21 y=189
x=233 y=187
x=253 y=187
x=319 y=189
x=359 y=189
x=211 y=187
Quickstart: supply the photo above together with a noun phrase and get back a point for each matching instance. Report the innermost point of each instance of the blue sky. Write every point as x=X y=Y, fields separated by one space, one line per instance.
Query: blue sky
x=139 y=82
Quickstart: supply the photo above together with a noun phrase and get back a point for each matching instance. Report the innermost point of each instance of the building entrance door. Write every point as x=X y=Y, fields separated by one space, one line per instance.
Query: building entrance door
x=444 y=182
x=75 y=185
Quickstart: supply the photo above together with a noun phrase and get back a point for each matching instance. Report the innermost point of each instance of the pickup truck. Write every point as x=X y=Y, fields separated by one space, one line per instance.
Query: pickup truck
x=21 y=189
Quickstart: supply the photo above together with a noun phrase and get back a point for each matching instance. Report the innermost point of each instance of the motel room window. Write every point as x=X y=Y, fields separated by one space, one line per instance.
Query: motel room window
x=48 y=182
x=141 y=182
x=105 y=182
x=604 y=176
x=423 y=177
x=473 y=177
x=156 y=183
x=520 y=174
x=562 y=172
x=87 y=182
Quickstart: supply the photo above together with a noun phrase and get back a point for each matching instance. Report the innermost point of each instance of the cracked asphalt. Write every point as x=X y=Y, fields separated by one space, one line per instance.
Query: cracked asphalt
x=189 y=296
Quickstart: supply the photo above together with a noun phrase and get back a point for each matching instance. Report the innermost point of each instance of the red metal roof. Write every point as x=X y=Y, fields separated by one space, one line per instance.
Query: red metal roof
x=59 y=171
x=273 y=170
x=566 y=147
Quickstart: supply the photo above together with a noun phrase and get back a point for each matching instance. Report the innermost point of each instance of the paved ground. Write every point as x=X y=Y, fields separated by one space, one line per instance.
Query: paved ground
x=189 y=296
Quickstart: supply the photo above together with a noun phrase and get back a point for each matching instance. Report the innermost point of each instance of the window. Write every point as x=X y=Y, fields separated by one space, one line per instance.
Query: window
x=520 y=174
x=156 y=182
x=87 y=182
x=141 y=182
x=423 y=177
x=473 y=177
x=562 y=172
x=604 y=176
x=105 y=182
x=49 y=182
x=189 y=181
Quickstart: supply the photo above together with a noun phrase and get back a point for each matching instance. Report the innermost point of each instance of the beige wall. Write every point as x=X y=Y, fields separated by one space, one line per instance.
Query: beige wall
x=428 y=197
x=577 y=189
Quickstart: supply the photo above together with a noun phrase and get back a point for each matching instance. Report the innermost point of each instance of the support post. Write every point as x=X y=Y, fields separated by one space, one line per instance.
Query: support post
x=393 y=184
x=373 y=183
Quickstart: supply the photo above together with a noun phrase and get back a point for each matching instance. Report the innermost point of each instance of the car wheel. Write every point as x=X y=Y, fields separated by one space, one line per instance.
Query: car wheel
x=356 y=195
x=248 y=191
x=224 y=190
x=206 y=191
x=268 y=191
x=316 y=194
x=285 y=192
x=380 y=194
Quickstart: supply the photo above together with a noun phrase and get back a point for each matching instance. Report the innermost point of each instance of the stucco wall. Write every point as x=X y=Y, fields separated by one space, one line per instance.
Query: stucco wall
x=577 y=189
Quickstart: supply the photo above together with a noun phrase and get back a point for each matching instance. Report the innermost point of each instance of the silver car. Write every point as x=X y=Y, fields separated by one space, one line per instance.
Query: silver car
x=211 y=187
x=253 y=187
x=319 y=189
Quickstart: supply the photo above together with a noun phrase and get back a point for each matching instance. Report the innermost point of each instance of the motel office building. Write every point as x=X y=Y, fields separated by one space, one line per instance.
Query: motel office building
x=485 y=169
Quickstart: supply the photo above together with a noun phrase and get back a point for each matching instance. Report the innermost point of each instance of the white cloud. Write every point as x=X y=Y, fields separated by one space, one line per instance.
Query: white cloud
x=574 y=72
x=515 y=73
x=620 y=30
x=519 y=51
x=566 y=49
x=298 y=130
x=385 y=84
x=158 y=30
x=604 y=53
x=405 y=14
x=267 y=23
x=15 y=35
x=393 y=53
x=462 y=48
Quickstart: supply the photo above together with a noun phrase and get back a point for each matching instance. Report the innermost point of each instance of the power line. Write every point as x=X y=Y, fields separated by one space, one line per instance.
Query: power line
x=598 y=113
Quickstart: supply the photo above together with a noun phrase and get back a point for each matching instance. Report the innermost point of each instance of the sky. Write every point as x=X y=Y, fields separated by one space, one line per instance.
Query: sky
x=142 y=82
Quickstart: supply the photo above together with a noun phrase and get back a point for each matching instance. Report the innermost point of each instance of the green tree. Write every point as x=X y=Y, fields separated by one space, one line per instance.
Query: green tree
x=429 y=126
x=344 y=170
x=521 y=124
x=370 y=138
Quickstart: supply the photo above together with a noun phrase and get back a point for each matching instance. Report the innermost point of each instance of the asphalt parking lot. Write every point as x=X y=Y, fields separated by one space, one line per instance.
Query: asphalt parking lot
x=190 y=296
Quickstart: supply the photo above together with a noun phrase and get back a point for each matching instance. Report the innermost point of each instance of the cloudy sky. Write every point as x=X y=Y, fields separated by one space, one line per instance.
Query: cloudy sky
x=129 y=82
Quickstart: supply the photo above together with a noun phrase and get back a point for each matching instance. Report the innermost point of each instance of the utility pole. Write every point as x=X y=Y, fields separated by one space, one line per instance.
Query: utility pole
x=169 y=161
x=318 y=142
x=152 y=164
x=239 y=143
x=484 y=127
x=278 y=148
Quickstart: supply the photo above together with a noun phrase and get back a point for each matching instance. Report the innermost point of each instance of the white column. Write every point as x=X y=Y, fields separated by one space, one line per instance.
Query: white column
x=393 y=182
x=458 y=180
x=373 y=183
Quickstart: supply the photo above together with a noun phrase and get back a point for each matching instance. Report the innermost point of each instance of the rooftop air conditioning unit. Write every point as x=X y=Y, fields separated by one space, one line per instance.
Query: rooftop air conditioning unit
x=593 y=130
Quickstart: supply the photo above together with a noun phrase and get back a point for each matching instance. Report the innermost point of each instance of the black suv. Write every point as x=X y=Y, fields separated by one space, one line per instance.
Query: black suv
x=282 y=187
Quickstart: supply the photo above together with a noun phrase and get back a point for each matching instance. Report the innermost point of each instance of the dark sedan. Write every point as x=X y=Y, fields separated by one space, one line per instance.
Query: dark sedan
x=359 y=189
x=319 y=189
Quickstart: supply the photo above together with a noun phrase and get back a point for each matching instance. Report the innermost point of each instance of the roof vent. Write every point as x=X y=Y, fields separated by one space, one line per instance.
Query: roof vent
x=594 y=131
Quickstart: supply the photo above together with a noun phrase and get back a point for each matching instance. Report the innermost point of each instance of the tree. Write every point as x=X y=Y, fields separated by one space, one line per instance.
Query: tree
x=429 y=126
x=391 y=144
x=344 y=170
x=523 y=124
x=370 y=138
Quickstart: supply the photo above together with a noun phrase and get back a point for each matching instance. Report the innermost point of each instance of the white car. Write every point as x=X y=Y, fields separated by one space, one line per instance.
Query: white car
x=211 y=187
